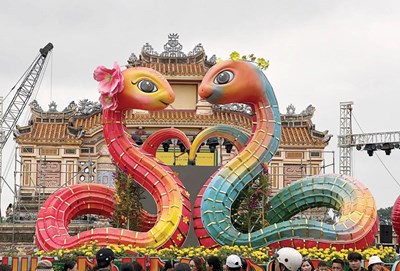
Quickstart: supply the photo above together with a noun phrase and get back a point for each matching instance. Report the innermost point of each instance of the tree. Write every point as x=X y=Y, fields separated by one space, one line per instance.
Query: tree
x=250 y=208
x=385 y=215
x=128 y=196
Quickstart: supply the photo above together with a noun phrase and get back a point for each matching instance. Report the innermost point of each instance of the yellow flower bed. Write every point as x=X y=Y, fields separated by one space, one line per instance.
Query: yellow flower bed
x=260 y=256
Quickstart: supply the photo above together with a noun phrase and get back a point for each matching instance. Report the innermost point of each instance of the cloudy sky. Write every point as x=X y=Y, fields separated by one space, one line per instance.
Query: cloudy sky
x=320 y=52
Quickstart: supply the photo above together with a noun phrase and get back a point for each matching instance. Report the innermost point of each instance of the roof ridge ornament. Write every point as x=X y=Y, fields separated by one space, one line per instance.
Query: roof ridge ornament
x=132 y=58
x=52 y=107
x=306 y=113
x=235 y=107
x=309 y=111
x=149 y=49
x=290 y=110
x=173 y=48
x=197 y=49
x=213 y=60
x=70 y=107
x=87 y=107
x=35 y=105
x=173 y=54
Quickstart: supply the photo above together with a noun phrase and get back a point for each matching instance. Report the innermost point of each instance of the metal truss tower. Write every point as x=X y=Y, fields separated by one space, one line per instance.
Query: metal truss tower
x=344 y=144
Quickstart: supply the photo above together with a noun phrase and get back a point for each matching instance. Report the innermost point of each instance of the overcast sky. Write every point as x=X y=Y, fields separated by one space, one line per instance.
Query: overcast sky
x=320 y=53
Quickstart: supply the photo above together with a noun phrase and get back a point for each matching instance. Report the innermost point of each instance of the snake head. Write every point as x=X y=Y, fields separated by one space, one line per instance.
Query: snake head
x=233 y=82
x=144 y=89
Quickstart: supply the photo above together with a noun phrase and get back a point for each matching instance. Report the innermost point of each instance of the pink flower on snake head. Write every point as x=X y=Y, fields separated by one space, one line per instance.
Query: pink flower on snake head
x=108 y=102
x=111 y=82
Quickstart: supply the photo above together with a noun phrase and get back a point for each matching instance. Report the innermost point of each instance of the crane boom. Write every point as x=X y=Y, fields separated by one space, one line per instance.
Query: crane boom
x=9 y=119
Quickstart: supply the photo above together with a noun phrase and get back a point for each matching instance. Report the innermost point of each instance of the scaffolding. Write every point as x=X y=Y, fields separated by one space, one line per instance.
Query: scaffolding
x=34 y=182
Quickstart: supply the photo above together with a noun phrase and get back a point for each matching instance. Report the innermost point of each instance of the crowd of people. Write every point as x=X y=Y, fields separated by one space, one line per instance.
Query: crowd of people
x=286 y=259
x=289 y=259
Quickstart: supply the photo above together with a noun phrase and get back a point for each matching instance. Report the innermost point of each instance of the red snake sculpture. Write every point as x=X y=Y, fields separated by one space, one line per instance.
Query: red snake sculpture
x=134 y=88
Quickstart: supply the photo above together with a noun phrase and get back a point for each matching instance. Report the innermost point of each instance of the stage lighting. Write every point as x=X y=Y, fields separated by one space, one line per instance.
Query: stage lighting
x=370 y=148
x=228 y=145
x=166 y=144
x=387 y=147
x=138 y=140
x=212 y=143
x=181 y=146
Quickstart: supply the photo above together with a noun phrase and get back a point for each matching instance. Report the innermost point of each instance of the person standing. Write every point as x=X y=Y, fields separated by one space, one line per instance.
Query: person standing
x=322 y=266
x=375 y=264
x=355 y=259
x=70 y=266
x=9 y=213
x=5 y=267
x=169 y=265
x=182 y=267
x=213 y=264
x=244 y=264
x=44 y=265
x=195 y=264
x=233 y=263
x=287 y=259
x=9 y=210
x=337 y=265
x=307 y=265
x=105 y=259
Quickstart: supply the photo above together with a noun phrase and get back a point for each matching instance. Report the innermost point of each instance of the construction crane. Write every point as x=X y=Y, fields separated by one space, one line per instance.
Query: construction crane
x=9 y=119
x=369 y=142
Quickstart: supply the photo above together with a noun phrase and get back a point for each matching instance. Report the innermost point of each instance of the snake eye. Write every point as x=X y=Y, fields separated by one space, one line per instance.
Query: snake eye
x=224 y=77
x=147 y=86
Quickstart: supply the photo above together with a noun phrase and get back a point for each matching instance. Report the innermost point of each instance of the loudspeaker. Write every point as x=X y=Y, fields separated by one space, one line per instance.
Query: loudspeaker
x=386 y=234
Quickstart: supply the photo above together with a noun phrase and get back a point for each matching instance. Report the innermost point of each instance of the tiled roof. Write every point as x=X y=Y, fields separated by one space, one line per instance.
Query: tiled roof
x=54 y=132
x=299 y=136
x=93 y=121
x=175 y=69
